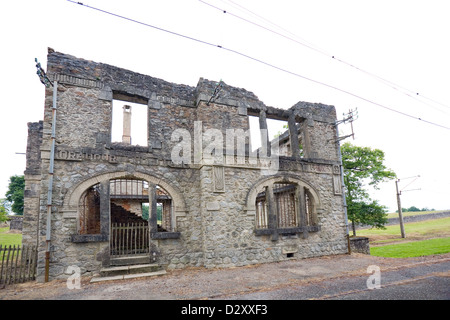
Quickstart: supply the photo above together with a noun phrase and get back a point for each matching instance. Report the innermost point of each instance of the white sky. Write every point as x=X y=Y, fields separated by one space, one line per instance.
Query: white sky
x=138 y=122
x=405 y=42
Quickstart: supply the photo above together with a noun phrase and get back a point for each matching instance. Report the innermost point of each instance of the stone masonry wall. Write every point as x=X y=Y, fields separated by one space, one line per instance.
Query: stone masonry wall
x=32 y=184
x=213 y=215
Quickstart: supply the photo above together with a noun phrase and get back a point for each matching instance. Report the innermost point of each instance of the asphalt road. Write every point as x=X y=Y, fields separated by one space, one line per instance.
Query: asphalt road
x=420 y=282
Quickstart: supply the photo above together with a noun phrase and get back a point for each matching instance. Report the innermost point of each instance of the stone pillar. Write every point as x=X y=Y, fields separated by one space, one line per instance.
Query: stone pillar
x=105 y=210
x=105 y=222
x=300 y=192
x=153 y=213
x=32 y=192
x=30 y=224
x=306 y=139
x=271 y=214
x=293 y=135
x=265 y=142
x=126 y=137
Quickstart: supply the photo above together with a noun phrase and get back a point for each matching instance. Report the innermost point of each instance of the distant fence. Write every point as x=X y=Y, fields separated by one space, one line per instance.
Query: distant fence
x=18 y=264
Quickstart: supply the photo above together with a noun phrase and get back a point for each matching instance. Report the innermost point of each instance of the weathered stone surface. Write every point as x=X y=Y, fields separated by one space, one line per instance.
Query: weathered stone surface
x=360 y=245
x=214 y=206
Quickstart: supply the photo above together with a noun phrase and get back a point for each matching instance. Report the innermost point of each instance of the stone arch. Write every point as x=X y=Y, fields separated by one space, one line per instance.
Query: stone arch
x=72 y=198
x=286 y=178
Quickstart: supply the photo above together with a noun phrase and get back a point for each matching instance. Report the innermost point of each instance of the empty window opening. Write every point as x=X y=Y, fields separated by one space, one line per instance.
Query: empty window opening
x=128 y=198
x=128 y=189
x=277 y=128
x=89 y=211
x=129 y=123
x=261 y=211
x=255 y=136
x=286 y=205
x=277 y=132
x=311 y=217
x=283 y=138
x=289 y=255
x=164 y=210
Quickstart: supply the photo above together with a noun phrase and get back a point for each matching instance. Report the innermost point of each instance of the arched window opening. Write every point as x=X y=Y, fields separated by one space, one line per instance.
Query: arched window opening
x=105 y=205
x=285 y=208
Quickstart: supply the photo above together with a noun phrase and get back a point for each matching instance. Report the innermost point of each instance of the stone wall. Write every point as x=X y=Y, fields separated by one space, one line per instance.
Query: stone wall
x=360 y=245
x=213 y=201
x=30 y=224
x=407 y=219
x=16 y=223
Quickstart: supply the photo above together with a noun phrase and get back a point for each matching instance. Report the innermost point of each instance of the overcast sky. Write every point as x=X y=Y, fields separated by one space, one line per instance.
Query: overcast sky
x=405 y=42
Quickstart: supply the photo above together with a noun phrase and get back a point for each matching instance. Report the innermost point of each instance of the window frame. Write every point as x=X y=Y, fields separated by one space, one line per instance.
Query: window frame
x=306 y=221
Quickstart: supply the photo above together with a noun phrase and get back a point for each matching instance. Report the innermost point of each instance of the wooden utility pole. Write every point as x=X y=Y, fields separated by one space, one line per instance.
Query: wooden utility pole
x=400 y=215
x=399 y=193
x=350 y=117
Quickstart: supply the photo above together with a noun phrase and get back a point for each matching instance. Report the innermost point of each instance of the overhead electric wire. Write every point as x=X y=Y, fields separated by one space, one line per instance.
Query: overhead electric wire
x=412 y=94
x=257 y=60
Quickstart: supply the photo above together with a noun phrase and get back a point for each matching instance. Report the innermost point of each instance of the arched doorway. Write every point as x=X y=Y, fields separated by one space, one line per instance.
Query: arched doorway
x=129 y=233
x=91 y=200
x=131 y=205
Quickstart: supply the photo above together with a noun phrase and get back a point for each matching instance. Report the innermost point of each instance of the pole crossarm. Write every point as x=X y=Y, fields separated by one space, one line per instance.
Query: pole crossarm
x=415 y=178
x=350 y=117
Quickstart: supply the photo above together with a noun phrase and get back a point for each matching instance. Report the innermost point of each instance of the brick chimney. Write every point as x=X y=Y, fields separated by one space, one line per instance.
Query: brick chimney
x=126 y=137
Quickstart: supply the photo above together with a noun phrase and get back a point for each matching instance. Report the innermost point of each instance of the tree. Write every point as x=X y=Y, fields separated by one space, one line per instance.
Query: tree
x=14 y=195
x=364 y=165
x=3 y=210
x=145 y=210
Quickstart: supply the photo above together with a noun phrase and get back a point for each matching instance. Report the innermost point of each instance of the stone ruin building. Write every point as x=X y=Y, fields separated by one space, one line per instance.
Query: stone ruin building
x=169 y=200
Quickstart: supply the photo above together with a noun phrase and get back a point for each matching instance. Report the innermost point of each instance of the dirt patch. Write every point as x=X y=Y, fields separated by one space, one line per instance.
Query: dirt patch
x=13 y=231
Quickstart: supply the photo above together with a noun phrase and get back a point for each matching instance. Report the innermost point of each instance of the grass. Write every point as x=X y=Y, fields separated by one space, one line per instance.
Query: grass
x=413 y=249
x=427 y=228
x=7 y=239
x=423 y=238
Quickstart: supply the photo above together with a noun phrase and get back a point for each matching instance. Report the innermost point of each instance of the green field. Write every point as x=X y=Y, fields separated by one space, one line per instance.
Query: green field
x=413 y=248
x=7 y=239
x=427 y=228
x=423 y=238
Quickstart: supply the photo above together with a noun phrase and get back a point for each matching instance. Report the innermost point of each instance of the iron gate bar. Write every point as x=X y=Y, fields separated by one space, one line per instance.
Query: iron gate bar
x=129 y=239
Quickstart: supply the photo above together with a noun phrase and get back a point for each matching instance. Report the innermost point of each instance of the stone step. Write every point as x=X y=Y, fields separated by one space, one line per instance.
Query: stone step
x=129 y=269
x=131 y=260
x=129 y=276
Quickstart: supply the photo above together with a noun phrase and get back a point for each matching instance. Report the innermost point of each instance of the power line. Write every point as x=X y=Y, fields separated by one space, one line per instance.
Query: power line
x=259 y=61
x=321 y=51
x=410 y=93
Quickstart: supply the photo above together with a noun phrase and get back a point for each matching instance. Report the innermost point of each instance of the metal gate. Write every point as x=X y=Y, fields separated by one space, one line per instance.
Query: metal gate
x=128 y=239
